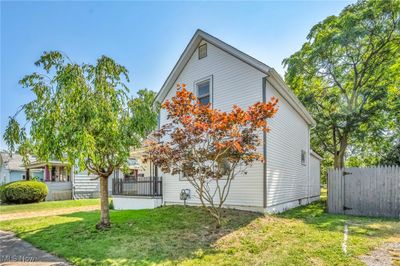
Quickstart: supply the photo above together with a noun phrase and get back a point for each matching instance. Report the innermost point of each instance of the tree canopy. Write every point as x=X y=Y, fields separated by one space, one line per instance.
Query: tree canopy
x=82 y=114
x=347 y=75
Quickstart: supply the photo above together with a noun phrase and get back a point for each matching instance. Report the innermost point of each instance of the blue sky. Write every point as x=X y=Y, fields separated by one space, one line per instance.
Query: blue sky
x=146 y=37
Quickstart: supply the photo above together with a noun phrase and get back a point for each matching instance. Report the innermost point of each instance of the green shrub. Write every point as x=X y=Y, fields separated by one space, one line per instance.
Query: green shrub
x=2 y=195
x=25 y=192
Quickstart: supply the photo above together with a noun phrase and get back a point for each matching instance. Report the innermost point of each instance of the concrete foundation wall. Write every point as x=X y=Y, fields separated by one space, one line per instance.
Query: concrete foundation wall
x=59 y=191
x=135 y=202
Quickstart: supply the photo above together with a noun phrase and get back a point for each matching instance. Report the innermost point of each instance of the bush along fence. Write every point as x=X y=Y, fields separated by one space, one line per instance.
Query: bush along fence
x=371 y=191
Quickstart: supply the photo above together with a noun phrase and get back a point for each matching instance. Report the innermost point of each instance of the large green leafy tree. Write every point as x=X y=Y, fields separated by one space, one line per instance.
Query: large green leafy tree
x=82 y=114
x=392 y=157
x=346 y=74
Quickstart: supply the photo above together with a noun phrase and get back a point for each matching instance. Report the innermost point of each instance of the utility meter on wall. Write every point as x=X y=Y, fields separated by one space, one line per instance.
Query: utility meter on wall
x=185 y=194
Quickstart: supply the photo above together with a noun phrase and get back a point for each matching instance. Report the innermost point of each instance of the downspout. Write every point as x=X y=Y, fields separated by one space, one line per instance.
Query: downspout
x=161 y=176
x=264 y=99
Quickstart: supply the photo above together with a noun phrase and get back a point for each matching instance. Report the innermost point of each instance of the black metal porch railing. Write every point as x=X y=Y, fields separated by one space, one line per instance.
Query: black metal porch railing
x=137 y=186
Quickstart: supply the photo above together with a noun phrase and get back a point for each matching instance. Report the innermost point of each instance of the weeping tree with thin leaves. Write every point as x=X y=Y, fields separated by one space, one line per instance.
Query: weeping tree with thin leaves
x=82 y=114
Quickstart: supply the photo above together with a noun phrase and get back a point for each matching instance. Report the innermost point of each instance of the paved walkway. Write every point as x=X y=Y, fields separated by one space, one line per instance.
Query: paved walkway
x=20 y=215
x=14 y=251
x=386 y=255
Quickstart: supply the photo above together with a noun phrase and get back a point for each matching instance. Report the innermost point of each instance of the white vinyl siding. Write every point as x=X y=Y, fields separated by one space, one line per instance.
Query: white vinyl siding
x=233 y=82
x=315 y=176
x=287 y=177
x=236 y=82
x=87 y=185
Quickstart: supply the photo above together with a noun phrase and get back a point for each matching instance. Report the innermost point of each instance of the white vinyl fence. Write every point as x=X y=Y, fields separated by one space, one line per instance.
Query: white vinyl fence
x=372 y=191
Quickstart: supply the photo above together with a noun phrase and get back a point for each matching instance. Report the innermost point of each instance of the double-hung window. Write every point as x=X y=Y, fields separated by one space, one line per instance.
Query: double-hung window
x=203 y=91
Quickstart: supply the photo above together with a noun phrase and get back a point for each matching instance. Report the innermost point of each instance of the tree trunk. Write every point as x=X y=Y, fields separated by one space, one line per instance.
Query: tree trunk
x=105 y=211
x=338 y=160
x=218 y=218
x=215 y=214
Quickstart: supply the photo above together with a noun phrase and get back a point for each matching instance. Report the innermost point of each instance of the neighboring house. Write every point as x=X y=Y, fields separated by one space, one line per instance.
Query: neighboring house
x=12 y=169
x=58 y=177
x=224 y=76
x=137 y=166
x=139 y=187
x=64 y=182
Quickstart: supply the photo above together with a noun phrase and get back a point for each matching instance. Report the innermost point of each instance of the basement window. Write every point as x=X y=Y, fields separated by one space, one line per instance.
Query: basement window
x=202 y=51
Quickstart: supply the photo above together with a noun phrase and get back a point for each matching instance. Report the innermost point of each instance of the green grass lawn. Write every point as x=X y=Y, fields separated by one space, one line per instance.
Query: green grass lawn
x=47 y=205
x=186 y=236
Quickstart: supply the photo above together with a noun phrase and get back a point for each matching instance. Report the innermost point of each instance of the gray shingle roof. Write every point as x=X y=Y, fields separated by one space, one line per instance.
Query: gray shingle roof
x=13 y=162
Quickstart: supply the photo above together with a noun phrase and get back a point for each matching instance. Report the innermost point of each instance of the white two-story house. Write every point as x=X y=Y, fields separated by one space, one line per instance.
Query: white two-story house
x=224 y=76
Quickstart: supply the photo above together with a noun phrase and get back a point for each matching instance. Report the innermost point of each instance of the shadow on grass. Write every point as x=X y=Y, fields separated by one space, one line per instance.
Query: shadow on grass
x=173 y=234
x=315 y=215
x=164 y=235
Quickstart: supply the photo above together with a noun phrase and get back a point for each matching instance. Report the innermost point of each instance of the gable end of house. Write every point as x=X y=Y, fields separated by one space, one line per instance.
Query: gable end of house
x=272 y=76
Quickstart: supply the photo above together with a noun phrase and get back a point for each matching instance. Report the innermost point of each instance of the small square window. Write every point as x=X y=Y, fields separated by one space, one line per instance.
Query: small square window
x=203 y=92
x=224 y=167
x=183 y=176
x=202 y=51
x=303 y=157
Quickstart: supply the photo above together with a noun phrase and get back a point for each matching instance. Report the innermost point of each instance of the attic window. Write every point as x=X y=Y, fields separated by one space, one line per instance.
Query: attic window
x=202 y=51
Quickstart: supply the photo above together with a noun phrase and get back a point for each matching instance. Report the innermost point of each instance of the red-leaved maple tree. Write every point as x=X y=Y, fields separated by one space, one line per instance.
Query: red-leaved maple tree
x=208 y=147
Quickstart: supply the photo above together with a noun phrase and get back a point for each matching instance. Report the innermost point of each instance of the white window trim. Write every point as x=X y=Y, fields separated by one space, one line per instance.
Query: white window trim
x=209 y=79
